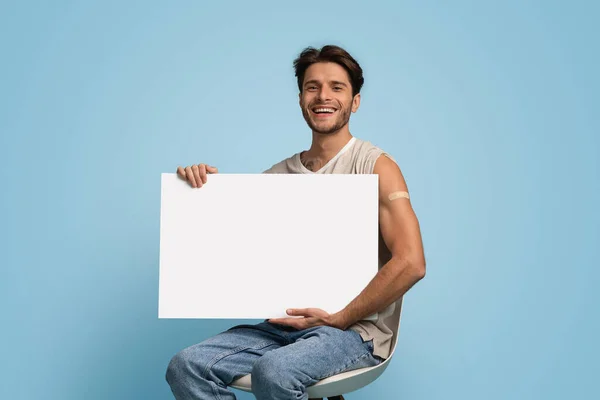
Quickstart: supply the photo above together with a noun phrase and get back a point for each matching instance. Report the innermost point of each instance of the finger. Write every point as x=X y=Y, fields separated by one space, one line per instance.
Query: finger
x=181 y=172
x=285 y=321
x=279 y=321
x=202 y=170
x=297 y=323
x=307 y=312
x=212 y=170
x=305 y=323
x=197 y=177
x=190 y=176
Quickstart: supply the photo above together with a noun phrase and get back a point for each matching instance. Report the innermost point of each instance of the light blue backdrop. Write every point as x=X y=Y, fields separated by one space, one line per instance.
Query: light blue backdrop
x=491 y=111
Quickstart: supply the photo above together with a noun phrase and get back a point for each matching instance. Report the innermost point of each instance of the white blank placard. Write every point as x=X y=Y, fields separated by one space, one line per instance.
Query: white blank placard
x=253 y=245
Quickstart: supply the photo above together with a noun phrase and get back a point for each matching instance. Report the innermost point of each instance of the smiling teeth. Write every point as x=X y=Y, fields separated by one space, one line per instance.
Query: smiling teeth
x=326 y=110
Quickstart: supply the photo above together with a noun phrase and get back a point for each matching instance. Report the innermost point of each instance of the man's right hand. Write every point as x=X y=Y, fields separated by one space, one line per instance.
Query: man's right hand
x=196 y=174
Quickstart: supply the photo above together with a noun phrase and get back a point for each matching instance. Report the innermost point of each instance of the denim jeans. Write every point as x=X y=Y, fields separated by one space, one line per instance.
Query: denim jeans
x=283 y=361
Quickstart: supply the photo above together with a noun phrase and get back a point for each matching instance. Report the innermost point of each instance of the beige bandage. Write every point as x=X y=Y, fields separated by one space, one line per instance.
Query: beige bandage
x=398 y=195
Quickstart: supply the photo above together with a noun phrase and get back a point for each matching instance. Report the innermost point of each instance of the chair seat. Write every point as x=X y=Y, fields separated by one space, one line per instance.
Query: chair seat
x=332 y=386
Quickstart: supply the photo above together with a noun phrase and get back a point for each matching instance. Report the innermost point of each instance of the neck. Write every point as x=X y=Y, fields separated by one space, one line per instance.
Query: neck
x=325 y=146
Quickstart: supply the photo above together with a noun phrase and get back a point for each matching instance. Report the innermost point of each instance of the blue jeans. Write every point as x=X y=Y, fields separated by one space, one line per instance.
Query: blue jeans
x=283 y=361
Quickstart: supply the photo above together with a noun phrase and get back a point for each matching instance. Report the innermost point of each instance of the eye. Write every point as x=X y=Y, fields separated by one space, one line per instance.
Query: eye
x=311 y=87
x=337 y=88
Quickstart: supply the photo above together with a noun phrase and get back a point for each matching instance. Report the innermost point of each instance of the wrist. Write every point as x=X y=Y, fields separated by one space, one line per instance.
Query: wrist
x=339 y=320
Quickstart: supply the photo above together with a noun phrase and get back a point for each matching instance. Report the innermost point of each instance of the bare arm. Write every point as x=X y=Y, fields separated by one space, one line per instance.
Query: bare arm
x=401 y=233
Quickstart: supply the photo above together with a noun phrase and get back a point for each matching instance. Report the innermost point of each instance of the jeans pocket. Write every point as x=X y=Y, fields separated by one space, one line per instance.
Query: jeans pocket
x=367 y=343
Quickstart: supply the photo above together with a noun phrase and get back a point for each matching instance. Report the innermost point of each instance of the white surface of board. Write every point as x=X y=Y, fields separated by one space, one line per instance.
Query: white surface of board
x=254 y=245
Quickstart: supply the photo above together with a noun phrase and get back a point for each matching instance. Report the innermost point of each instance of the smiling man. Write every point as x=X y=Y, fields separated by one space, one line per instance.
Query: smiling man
x=287 y=355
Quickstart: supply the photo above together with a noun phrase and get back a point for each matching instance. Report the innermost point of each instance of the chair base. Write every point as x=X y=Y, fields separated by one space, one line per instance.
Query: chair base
x=332 y=398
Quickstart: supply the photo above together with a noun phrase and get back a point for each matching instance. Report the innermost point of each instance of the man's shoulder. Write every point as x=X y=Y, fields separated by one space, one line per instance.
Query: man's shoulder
x=366 y=146
x=366 y=155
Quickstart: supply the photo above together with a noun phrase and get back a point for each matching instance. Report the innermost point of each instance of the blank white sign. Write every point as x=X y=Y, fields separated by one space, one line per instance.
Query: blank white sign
x=253 y=245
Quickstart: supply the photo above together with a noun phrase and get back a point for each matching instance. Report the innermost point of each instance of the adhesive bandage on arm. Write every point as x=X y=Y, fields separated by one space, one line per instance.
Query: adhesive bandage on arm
x=398 y=195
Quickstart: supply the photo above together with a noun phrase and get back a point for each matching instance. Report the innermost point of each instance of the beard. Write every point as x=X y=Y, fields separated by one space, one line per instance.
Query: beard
x=327 y=127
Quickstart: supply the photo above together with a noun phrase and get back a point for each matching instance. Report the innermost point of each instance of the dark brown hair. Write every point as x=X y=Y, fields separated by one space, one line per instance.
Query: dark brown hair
x=329 y=53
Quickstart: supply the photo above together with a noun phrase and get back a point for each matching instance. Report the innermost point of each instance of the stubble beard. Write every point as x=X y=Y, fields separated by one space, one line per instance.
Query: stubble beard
x=342 y=120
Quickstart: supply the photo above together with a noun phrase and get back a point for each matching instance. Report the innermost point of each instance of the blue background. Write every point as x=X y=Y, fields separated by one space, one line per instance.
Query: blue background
x=490 y=109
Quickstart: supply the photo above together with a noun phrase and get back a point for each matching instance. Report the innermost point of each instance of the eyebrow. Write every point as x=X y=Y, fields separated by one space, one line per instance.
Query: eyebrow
x=339 y=83
x=314 y=81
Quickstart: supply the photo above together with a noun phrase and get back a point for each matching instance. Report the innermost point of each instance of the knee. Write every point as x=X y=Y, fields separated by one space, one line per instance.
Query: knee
x=177 y=366
x=182 y=365
x=273 y=377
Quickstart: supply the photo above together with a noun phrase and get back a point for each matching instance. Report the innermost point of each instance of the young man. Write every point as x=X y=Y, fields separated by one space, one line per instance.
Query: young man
x=286 y=355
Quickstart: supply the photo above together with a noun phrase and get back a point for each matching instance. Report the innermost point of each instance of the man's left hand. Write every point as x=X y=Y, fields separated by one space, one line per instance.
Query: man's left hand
x=309 y=317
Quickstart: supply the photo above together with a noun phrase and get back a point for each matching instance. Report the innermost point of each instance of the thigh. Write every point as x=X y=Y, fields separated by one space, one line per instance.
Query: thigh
x=318 y=353
x=231 y=354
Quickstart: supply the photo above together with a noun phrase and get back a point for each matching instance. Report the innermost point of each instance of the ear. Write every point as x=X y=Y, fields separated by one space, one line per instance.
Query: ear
x=356 y=103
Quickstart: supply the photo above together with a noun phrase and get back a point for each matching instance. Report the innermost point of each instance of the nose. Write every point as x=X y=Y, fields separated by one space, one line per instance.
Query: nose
x=324 y=94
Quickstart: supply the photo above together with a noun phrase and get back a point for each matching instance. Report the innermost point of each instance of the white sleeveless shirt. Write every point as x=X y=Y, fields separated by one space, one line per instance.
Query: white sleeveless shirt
x=356 y=157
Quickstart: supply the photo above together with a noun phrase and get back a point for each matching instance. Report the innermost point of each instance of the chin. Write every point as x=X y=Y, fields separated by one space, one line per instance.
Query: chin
x=328 y=130
x=323 y=130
